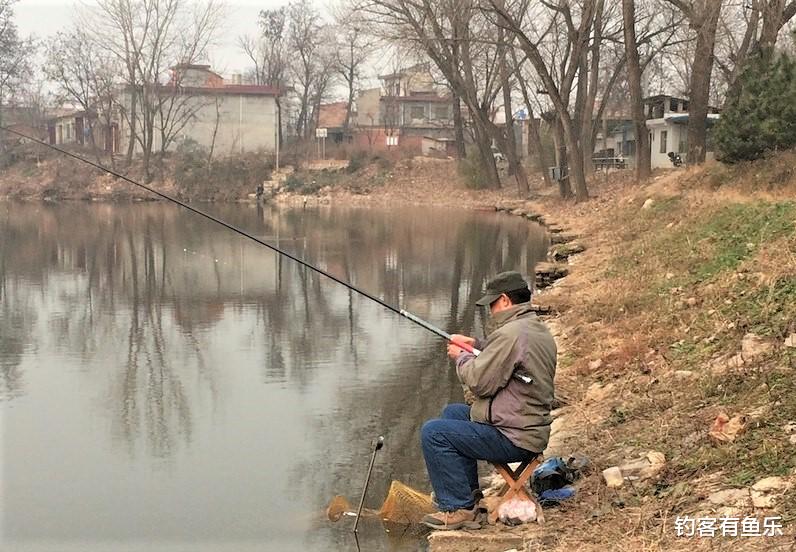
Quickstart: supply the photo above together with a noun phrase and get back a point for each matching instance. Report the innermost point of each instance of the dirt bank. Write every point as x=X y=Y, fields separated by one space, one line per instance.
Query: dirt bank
x=39 y=174
x=681 y=310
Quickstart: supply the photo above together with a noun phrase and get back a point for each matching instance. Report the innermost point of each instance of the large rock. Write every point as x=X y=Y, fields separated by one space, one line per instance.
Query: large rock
x=753 y=346
x=766 y=492
x=684 y=375
x=790 y=341
x=598 y=392
x=563 y=251
x=646 y=467
x=730 y=497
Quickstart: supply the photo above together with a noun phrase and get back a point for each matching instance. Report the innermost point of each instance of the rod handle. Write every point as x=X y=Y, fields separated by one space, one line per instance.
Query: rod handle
x=466 y=346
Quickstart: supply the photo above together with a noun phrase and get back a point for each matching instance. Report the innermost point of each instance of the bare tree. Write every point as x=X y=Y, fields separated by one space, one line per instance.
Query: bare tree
x=325 y=76
x=512 y=16
x=353 y=49
x=703 y=17
x=304 y=26
x=15 y=54
x=176 y=105
x=80 y=69
x=469 y=64
x=643 y=154
x=269 y=54
x=534 y=139
x=149 y=38
x=515 y=167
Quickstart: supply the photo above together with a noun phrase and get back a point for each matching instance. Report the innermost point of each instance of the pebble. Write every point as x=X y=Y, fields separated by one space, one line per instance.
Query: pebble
x=729 y=497
x=613 y=477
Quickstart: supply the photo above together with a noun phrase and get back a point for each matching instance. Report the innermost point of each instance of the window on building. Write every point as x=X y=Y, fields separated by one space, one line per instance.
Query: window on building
x=68 y=131
x=672 y=104
x=441 y=112
x=417 y=112
x=629 y=147
x=663 y=141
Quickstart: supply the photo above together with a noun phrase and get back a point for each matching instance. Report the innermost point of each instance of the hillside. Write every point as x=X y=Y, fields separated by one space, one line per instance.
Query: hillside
x=681 y=312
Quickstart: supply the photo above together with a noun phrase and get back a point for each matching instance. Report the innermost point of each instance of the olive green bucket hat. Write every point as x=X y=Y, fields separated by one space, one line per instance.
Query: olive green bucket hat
x=500 y=284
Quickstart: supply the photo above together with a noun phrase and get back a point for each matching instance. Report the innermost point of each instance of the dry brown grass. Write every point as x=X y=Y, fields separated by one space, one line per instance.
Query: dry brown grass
x=618 y=305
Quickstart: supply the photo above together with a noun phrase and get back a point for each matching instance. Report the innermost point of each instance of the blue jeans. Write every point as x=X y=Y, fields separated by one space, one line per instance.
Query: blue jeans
x=451 y=446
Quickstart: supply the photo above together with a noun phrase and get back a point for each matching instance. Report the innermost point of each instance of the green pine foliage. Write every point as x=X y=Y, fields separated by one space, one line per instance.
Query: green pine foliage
x=761 y=116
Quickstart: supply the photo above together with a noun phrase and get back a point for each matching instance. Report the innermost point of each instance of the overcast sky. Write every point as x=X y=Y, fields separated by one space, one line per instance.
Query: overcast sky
x=42 y=18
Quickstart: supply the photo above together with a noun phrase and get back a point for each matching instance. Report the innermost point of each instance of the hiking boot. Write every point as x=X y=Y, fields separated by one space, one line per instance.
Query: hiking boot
x=457 y=519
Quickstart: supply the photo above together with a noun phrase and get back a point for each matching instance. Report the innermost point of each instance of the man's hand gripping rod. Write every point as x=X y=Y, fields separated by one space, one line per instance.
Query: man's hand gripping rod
x=466 y=346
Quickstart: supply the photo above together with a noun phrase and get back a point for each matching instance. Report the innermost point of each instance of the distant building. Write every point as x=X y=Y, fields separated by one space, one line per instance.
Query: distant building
x=406 y=108
x=230 y=117
x=667 y=121
x=332 y=118
x=76 y=126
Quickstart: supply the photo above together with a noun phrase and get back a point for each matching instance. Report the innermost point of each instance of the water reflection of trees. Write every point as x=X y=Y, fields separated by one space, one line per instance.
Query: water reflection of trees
x=159 y=280
x=438 y=275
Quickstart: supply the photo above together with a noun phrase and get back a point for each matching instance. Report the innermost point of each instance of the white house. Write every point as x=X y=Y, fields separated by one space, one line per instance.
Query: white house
x=231 y=118
x=667 y=121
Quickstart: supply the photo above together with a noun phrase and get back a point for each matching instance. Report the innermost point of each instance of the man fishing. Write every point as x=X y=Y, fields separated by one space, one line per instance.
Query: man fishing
x=512 y=381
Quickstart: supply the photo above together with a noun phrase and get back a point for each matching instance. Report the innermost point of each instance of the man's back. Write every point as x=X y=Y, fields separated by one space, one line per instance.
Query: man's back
x=521 y=411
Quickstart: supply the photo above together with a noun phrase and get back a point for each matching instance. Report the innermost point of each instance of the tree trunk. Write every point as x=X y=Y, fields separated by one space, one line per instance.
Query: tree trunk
x=347 y=122
x=484 y=143
x=534 y=140
x=458 y=127
x=575 y=173
x=592 y=66
x=643 y=161
x=700 y=81
x=581 y=121
x=564 y=187
x=515 y=167
x=772 y=23
x=133 y=115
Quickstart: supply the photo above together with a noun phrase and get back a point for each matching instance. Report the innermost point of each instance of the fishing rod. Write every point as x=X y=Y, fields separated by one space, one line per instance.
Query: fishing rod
x=406 y=314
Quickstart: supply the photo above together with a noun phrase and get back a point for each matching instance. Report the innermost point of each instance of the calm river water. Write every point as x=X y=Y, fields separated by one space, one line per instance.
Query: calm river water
x=167 y=385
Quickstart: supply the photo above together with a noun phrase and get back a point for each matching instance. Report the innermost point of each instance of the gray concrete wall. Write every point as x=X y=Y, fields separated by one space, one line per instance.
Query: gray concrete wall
x=245 y=123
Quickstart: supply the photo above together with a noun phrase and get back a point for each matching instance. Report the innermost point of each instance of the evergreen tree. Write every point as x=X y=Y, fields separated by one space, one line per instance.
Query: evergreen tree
x=761 y=116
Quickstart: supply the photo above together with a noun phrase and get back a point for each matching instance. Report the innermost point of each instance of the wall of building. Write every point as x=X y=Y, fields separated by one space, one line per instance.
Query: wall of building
x=675 y=140
x=245 y=123
x=375 y=139
x=368 y=107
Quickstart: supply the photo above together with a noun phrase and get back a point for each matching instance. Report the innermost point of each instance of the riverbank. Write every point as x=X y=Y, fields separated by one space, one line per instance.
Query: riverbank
x=676 y=329
x=39 y=174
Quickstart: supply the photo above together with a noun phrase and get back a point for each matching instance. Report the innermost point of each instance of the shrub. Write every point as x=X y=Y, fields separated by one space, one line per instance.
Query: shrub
x=472 y=171
x=760 y=116
x=223 y=177
x=357 y=160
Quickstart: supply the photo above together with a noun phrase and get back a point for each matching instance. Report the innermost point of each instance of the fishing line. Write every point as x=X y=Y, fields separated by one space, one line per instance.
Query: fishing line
x=401 y=312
